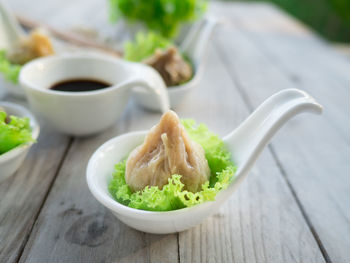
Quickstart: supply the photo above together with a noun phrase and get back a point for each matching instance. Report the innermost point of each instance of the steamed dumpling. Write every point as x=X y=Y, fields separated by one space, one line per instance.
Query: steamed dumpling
x=167 y=150
x=171 y=66
x=37 y=44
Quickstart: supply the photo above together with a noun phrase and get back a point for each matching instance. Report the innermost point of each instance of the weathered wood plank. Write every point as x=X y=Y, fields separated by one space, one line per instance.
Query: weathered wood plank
x=315 y=159
x=23 y=194
x=301 y=56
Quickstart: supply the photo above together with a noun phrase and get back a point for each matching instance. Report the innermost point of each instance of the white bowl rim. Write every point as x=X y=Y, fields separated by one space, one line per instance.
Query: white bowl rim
x=35 y=131
x=73 y=56
x=188 y=84
x=119 y=208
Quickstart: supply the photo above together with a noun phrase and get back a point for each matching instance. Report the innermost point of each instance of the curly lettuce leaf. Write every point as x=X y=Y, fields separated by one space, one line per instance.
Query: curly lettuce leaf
x=10 y=71
x=14 y=133
x=173 y=196
x=215 y=152
x=162 y=16
x=144 y=45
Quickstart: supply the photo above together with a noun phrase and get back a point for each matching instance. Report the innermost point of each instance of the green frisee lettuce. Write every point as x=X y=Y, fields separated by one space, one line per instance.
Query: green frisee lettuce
x=10 y=71
x=144 y=45
x=173 y=196
x=14 y=133
x=162 y=16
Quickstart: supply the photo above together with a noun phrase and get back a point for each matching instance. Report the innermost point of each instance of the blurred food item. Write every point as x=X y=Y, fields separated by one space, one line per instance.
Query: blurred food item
x=171 y=66
x=14 y=131
x=37 y=44
x=160 y=53
x=9 y=70
x=162 y=16
x=7 y=119
x=144 y=45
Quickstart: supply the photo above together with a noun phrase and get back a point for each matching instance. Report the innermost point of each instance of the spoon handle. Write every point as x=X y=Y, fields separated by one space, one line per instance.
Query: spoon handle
x=197 y=39
x=9 y=27
x=145 y=77
x=251 y=137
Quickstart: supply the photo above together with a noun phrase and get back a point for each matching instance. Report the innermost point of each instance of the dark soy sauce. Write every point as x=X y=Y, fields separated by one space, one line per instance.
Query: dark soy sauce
x=79 y=85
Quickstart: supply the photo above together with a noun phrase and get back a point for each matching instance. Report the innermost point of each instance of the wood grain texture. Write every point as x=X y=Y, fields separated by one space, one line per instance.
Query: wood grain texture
x=314 y=157
x=22 y=195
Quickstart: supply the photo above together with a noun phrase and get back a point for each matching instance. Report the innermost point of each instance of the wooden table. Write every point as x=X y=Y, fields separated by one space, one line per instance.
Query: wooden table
x=294 y=206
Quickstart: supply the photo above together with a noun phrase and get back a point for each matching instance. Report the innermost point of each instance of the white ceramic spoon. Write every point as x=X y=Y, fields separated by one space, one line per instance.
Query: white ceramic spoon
x=194 y=46
x=10 y=30
x=10 y=34
x=245 y=143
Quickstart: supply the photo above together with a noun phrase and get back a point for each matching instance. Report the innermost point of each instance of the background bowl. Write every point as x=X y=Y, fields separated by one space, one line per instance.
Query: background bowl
x=194 y=46
x=12 y=160
x=87 y=112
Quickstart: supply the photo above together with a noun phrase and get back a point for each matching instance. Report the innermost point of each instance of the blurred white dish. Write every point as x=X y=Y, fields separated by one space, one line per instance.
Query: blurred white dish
x=194 y=46
x=12 y=160
x=245 y=144
x=87 y=112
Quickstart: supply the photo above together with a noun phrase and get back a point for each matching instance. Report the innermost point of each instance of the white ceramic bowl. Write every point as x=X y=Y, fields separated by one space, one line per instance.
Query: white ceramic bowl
x=12 y=160
x=87 y=112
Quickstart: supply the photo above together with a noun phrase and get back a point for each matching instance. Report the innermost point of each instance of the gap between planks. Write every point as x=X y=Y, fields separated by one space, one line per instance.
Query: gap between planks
x=301 y=207
x=178 y=247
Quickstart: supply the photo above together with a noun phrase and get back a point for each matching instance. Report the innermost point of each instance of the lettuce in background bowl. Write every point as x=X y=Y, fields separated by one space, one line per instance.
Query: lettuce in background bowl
x=16 y=137
x=9 y=73
x=14 y=132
